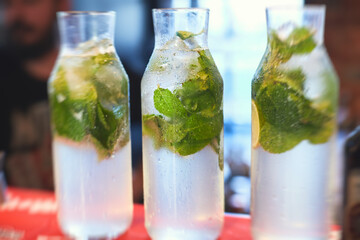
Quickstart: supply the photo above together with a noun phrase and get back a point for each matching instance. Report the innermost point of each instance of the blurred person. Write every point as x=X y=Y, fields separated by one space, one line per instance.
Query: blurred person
x=26 y=61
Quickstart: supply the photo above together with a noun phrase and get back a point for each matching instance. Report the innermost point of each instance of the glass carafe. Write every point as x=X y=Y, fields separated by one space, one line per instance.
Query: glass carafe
x=294 y=108
x=88 y=92
x=182 y=119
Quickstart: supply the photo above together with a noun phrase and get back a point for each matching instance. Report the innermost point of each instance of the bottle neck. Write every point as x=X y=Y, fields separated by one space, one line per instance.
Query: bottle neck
x=283 y=20
x=79 y=27
x=169 y=22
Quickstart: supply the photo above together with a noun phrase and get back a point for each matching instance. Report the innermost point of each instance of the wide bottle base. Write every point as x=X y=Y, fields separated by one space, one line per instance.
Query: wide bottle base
x=181 y=234
x=95 y=229
x=257 y=235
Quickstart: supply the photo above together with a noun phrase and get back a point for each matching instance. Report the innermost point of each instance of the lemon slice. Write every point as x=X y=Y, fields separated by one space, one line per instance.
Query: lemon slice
x=255 y=125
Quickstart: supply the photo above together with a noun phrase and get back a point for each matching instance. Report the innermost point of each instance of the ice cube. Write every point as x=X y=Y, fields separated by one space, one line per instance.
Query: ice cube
x=111 y=84
x=176 y=43
x=284 y=31
x=95 y=47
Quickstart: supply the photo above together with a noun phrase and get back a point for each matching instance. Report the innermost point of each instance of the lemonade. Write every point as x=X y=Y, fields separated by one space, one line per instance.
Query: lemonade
x=183 y=141
x=88 y=92
x=294 y=104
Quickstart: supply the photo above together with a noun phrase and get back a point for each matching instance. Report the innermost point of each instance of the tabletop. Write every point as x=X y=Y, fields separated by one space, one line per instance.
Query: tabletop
x=31 y=214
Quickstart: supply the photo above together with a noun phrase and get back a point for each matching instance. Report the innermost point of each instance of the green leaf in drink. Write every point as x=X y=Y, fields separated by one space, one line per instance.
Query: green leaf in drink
x=167 y=104
x=191 y=116
x=152 y=126
x=286 y=115
x=92 y=107
x=186 y=35
x=301 y=41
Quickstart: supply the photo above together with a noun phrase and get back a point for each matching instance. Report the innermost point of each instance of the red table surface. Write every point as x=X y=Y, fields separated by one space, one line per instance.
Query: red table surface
x=30 y=214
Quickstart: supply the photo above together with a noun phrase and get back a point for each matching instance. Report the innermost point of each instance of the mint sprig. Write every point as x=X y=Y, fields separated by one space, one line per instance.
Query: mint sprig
x=191 y=116
x=286 y=115
x=98 y=110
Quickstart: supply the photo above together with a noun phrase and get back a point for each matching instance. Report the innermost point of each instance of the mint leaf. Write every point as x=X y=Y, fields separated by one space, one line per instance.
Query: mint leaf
x=196 y=96
x=276 y=140
x=105 y=58
x=295 y=78
x=200 y=128
x=59 y=84
x=173 y=132
x=212 y=75
x=106 y=130
x=258 y=80
x=66 y=115
x=279 y=49
x=301 y=41
x=186 y=35
x=279 y=106
x=323 y=133
x=168 y=104
x=152 y=126
x=190 y=146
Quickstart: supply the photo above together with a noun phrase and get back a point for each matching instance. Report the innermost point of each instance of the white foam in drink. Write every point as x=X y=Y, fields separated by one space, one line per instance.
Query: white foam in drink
x=94 y=197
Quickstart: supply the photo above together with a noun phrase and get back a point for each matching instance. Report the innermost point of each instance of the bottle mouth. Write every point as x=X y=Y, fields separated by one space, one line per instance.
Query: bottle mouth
x=291 y=8
x=284 y=18
x=85 y=13
x=160 y=10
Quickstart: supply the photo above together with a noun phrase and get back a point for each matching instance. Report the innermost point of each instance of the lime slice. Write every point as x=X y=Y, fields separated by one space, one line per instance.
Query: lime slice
x=255 y=125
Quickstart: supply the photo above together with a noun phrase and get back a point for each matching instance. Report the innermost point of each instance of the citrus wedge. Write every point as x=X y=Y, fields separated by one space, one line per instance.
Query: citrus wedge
x=255 y=125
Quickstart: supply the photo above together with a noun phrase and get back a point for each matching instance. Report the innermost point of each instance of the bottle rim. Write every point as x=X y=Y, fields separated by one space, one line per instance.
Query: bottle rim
x=85 y=13
x=159 y=10
x=306 y=7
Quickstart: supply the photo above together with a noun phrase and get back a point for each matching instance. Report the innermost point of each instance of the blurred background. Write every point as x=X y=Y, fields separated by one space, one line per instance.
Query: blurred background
x=237 y=41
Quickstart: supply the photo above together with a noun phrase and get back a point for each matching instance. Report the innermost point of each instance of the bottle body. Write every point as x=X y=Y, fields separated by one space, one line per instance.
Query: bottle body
x=182 y=142
x=88 y=92
x=294 y=104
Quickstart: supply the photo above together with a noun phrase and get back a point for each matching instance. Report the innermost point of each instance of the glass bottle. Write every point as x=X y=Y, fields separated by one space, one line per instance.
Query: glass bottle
x=352 y=186
x=88 y=92
x=294 y=108
x=182 y=118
